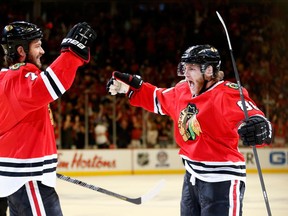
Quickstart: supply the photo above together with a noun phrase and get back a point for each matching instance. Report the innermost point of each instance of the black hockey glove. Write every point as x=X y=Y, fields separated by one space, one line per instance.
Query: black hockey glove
x=78 y=40
x=123 y=83
x=255 y=131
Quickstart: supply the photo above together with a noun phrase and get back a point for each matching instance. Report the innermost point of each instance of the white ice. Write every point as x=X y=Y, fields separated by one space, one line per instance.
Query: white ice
x=79 y=201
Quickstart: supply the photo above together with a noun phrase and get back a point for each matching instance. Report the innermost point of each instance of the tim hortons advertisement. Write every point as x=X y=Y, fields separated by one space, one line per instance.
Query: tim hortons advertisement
x=94 y=161
x=155 y=161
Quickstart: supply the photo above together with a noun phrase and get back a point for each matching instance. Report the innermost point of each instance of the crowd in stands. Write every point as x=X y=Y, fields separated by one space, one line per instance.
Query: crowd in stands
x=148 y=39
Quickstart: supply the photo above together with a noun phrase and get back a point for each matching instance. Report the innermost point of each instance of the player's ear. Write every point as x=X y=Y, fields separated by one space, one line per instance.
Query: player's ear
x=21 y=53
x=209 y=71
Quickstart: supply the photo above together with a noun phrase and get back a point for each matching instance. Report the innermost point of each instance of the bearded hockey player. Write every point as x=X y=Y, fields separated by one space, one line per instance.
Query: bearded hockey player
x=28 y=154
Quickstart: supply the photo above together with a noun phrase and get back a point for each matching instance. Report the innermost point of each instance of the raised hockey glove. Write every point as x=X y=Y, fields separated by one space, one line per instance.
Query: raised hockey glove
x=123 y=83
x=255 y=131
x=79 y=40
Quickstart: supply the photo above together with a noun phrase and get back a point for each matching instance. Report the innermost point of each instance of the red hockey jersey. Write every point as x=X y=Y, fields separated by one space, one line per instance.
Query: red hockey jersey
x=205 y=126
x=27 y=143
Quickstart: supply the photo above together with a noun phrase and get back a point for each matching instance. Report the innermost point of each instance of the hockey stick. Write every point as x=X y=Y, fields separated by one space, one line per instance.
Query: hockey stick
x=246 y=115
x=139 y=200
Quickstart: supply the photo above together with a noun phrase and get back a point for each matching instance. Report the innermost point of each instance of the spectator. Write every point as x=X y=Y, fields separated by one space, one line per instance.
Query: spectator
x=280 y=129
x=152 y=134
x=79 y=131
x=68 y=133
x=101 y=136
x=136 y=133
x=123 y=133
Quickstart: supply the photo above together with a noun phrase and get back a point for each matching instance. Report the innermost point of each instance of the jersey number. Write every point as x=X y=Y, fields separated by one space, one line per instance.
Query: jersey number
x=32 y=76
x=249 y=105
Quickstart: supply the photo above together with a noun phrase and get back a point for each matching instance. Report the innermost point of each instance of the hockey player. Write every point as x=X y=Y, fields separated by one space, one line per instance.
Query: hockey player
x=208 y=118
x=28 y=154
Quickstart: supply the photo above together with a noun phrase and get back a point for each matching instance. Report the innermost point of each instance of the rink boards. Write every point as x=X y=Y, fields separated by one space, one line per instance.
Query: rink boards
x=154 y=161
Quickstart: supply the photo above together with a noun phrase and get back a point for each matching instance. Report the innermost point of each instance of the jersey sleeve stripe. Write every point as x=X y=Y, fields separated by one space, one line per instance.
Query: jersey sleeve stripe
x=157 y=105
x=56 y=80
x=52 y=83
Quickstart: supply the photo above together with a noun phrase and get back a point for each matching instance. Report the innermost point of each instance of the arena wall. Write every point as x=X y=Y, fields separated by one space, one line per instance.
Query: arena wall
x=154 y=161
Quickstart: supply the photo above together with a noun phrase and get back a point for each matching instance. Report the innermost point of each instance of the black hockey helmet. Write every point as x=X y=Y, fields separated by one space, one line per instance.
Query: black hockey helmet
x=204 y=55
x=19 y=33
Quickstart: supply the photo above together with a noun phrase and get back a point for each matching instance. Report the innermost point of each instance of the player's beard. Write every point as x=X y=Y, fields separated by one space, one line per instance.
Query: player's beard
x=34 y=60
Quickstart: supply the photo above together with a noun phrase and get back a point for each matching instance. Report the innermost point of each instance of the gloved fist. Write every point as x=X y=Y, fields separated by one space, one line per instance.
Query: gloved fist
x=78 y=40
x=257 y=130
x=114 y=87
x=123 y=83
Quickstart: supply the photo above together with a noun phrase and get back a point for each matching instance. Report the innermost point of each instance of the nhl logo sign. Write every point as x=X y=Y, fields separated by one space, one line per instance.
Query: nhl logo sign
x=143 y=159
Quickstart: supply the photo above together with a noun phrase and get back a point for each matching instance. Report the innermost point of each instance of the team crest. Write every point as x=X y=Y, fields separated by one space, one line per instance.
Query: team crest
x=188 y=124
x=17 y=66
x=232 y=85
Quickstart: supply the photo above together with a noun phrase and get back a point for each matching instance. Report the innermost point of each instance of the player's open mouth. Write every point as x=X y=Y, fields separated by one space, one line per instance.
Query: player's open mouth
x=191 y=84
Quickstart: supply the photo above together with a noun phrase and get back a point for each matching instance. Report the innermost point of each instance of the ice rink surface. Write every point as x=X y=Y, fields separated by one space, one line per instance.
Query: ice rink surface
x=80 y=201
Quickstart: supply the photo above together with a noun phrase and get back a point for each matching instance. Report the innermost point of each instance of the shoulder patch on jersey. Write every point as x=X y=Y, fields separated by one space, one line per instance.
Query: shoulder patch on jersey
x=17 y=66
x=232 y=85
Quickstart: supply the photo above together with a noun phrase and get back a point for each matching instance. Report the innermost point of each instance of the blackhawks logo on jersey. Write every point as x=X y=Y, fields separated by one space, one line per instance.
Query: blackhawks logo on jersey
x=188 y=124
x=232 y=85
x=17 y=66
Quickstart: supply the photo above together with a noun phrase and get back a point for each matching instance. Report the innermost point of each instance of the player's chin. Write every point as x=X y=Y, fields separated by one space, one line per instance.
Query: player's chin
x=38 y=63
